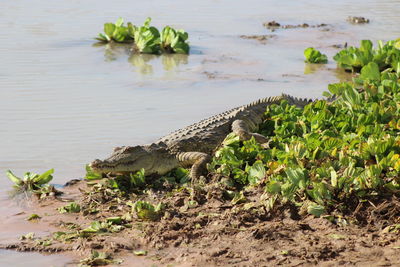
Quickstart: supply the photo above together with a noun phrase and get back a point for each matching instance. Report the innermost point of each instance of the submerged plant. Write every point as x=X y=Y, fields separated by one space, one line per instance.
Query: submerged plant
x=31 y=181
x=312 y=55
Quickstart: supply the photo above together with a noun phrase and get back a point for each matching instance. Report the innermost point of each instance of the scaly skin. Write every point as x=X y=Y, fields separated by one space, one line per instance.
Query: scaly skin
x=194 y=144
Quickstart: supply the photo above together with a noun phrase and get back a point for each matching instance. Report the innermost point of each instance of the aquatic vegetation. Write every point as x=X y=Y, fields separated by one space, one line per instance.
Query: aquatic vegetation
x=174 y=41
x=31 y=181
x=97 y=258
x=147 y=211
x=33 y=217
x=117 y=32
x=70 y=208
x=147 y=39
x=312 y=55
x=91 y=175
x=326 y=153
x=385 y=56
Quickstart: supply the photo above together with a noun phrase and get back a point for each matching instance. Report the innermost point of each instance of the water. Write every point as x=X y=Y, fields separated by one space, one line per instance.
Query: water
x=65 y=101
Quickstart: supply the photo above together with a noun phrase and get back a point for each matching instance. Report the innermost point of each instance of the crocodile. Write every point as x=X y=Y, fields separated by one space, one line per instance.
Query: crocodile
x=193 y=145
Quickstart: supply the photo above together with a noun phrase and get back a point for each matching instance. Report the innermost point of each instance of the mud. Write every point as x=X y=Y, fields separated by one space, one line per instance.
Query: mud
x=357 y=20
x=273 y=25
x=204 y=227
x=260 y=38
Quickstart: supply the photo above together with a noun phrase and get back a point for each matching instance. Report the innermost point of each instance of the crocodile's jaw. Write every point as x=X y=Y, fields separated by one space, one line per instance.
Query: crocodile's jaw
x=132 y=159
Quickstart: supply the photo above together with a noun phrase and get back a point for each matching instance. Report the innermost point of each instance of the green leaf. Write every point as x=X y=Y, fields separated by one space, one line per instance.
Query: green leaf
x=314 y=56
x=103 y=38
x=316 y=210
x=70 y=208
x=138 y=179
x=140 y=252
x=109 y=29
x=147 y=211
x=44 y=178
x=119 y=22
x=33 y=217
x=91 y=175
x=371 y=72
x=16 y=180
x=256 y=172
x=147 y=22
x=114 y=220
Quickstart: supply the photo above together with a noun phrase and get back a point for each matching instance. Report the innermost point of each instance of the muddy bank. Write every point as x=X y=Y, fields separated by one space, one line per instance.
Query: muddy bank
x=203 y=226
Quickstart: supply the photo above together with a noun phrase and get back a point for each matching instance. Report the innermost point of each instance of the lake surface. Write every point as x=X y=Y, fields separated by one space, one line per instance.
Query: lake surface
x=65 y=101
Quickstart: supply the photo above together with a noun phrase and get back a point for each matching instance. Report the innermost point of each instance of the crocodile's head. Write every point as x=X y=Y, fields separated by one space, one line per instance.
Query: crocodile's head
x=132 y=159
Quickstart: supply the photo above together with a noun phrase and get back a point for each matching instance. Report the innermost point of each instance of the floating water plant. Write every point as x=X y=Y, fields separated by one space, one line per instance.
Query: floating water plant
x=147 y=39
x=174 y=41
x=117 y=32
x=312 y=55
x=385 y=56
x=30 y=181
x=325 y=153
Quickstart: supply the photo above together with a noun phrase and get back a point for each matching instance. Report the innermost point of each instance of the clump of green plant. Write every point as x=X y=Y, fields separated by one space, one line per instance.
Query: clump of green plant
x=98 y=258
x=117 y=32
x=147 y=211
x=147 y=39
x=174 y=41
x=385 y=56
x=91 y=175
x=312 y=55
x=109 y=226
x=325 y=154
x=31 y=181
x=33 y=217
x=70 y=208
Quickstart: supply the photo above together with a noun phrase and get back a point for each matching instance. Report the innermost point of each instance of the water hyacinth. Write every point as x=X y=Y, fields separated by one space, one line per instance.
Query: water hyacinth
x=146 y=39
x=325 y=153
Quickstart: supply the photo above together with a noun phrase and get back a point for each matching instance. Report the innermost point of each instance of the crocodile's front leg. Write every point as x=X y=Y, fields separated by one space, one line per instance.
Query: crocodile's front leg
x=241 y=129
x=197 y=160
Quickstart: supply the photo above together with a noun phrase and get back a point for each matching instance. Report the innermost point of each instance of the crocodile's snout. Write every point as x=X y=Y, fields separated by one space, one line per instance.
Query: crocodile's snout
x=95 y=163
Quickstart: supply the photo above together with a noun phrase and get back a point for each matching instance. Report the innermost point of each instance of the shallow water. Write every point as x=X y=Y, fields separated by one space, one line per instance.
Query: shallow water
x=65 y=101
x=16 y=259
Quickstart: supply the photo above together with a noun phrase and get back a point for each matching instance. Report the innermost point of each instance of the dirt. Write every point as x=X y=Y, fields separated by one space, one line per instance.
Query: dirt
x=273 y=25
x=202 y=227
x=260 y=38
x=358 y=20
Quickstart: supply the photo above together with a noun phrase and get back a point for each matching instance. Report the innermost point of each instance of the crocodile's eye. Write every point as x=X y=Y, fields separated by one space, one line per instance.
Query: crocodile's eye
x=118 y=149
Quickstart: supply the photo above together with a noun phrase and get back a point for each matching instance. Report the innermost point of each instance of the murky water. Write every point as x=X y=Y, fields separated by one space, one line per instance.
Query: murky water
x=65 y=101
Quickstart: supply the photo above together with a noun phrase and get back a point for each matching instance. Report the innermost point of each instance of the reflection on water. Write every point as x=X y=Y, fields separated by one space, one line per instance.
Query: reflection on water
x=140 y=62
x=112 y=51
x=311 y=68
x=172 y=61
